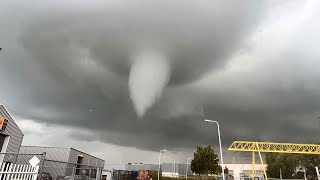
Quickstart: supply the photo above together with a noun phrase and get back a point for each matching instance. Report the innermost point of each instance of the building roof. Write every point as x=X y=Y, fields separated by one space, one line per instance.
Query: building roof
x=63 y=148
x=115 y=166
x=87 y=154
x=47 y=147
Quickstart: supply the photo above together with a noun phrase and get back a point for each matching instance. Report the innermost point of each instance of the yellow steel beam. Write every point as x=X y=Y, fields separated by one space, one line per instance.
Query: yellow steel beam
x=253 y=161
x=264 y=169
x=275 y=147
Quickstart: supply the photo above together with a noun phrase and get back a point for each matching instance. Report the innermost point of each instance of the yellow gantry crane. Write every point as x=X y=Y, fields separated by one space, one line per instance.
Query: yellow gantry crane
x=273 y=148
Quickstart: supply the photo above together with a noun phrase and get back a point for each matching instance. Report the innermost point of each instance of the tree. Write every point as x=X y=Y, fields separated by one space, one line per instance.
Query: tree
x=309 y=162
x=286 y=162
x=226 y=170
x=291 y=165
x=205 y=161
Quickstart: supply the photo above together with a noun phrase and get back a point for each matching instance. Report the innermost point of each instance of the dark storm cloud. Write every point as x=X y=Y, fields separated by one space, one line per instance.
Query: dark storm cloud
x=68 y=66
x=175 y=37
x=191 y=34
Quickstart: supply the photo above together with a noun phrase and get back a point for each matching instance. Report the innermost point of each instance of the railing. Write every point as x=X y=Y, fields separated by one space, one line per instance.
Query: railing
x=18 y=172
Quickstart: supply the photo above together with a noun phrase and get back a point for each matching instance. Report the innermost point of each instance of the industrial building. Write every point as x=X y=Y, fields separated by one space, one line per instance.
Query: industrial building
x=174 y=169
x=106 y=175
x=241 y=170
x=61 y=162
x=10 y=135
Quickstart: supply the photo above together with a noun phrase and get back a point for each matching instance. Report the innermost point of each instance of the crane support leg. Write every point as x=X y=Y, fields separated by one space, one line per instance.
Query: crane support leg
x=264 y=169
x=253 y=161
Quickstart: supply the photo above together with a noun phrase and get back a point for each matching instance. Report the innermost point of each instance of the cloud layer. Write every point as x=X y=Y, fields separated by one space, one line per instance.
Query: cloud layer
x=193 y=37
x=255 y=71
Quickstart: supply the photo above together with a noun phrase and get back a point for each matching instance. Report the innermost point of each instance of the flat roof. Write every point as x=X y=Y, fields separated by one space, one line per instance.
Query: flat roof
x=64 y=148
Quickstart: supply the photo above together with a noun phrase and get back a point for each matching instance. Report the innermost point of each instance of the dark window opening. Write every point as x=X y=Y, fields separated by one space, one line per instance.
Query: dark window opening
x=79 y=162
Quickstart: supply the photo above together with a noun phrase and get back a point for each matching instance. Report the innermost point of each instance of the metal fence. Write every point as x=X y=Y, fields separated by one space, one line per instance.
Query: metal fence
x=18 y=172
x=62 y=170
x=57 y=169
x=18 y=158
x=124 y=175
x=21 y=159
x=17 y=166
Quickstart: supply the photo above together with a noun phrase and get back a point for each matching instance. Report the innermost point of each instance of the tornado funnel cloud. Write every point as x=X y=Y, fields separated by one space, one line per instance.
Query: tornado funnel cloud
x=149 y=75
x=149 y=44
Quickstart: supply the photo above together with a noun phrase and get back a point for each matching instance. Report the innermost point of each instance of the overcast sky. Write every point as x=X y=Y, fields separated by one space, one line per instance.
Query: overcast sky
x=123 y=79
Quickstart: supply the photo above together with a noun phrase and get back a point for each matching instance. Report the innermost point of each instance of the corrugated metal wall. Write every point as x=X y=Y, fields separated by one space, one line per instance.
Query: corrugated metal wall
x=88 y=160
x=52 y=153
x=56 y=169
x=73 y=157
x=13 y=131
x=62 y=161
x=56 y=159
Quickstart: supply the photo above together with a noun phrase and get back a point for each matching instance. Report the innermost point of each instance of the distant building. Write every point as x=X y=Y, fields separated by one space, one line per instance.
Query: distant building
x=10 y=134
x=179 y=169
x=106 y=175
x=168 y=169
x=239 y=170
x=115 y=166
x=60 y=162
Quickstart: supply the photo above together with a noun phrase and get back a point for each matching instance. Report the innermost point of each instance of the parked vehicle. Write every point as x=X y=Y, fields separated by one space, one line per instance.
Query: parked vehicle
x=45 y=176
x=60 y=177
x=76 y=177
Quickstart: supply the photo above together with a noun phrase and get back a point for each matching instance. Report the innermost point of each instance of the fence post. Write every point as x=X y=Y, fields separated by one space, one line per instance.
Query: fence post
x=74 y=171
x=42 y=163
x=9 y=170
x=98 y=174
x=35 y=173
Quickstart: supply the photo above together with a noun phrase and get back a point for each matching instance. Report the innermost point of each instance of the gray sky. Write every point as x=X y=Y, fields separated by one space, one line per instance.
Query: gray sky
x=66 y=73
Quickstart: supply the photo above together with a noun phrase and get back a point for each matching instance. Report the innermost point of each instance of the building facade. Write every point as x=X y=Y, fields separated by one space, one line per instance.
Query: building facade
x=244 y=170
x=11 y=136
x=61 y=162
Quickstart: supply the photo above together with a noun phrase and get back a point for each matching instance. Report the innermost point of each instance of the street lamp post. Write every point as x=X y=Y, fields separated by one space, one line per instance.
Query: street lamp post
x=174 y=169
x=187 y=168
x=222 y=165
x=176 y=172
x=163 y=150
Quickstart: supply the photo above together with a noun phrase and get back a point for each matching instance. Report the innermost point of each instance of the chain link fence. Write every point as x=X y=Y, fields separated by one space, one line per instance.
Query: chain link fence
x=57 y=169
x=63 y=170
x=124 y=175
x=21 y=159
x=17 y=158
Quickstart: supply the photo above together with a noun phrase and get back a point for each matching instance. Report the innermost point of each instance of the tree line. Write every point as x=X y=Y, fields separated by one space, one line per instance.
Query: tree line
x=292 y=166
